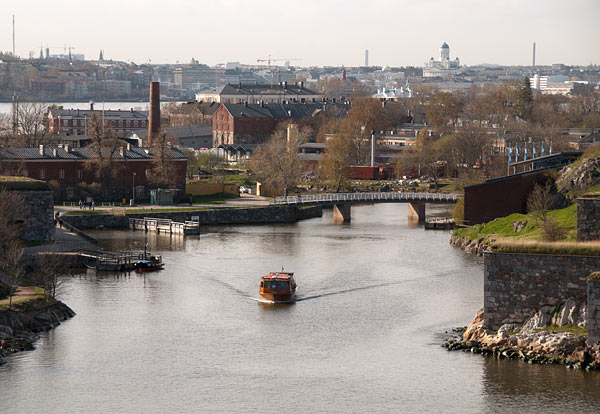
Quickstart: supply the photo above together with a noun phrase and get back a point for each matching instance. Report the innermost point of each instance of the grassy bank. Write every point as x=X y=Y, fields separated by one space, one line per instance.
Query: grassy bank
x=504 y=227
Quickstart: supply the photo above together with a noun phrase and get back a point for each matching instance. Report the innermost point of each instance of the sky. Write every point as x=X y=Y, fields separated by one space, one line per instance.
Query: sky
x=315 y=32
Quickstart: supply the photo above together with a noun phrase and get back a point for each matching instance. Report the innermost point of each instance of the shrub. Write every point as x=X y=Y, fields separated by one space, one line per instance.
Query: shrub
x=458 y=214
x=552 y=231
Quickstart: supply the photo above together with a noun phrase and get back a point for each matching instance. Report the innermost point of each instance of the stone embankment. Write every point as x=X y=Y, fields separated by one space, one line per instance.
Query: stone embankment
x=476 y=246
x=19 y=328
x=535 y=342
x=224 y=216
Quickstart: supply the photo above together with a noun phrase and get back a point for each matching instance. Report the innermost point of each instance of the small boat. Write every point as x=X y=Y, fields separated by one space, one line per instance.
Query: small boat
x=149 y=265
x=278 y=287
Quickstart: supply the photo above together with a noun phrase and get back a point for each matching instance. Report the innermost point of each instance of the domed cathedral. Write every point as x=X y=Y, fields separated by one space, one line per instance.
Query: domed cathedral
x=442 y=68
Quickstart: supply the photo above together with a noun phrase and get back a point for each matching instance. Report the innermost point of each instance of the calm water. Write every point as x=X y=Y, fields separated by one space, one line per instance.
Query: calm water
x=376 y=297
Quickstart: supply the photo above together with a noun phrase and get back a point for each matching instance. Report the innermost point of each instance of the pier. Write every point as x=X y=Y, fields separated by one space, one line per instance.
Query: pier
x=164 y=226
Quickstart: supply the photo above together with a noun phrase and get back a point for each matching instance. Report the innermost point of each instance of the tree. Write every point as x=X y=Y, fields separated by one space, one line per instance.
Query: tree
x=524 y=104
x=104 y=147
x=276 y=163
x=337 y=159
x=163 y=172
x=32 y=123
x=443 y=111
x=12 y=213
x=366 y=115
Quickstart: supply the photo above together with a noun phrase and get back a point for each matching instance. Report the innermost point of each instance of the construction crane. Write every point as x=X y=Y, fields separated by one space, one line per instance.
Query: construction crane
x=65 y=48
x=269 y=60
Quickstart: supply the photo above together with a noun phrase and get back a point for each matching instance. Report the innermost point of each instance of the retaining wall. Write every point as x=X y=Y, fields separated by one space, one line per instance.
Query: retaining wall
x=39 y=222
x=517 y=285
x=588 y=219
x=262 y=215
x=593 y=308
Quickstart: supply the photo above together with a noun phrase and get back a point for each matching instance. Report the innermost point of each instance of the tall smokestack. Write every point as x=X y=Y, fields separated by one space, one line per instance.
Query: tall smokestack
x=154 y=113
x=366 y=58
x=534 y=54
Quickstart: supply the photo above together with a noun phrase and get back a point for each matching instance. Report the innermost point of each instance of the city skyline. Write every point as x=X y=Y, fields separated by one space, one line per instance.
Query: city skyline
x=327 y=33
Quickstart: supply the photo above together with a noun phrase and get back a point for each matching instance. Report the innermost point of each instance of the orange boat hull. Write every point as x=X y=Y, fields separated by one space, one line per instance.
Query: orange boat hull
x=278 y=297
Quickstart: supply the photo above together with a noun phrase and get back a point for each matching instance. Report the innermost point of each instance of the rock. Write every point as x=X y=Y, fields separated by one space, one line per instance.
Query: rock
x=504 y=330
x=537 y=321
x=519 y=225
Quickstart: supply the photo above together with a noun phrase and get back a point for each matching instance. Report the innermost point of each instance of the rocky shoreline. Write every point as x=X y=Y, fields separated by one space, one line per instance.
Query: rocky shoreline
x=476 y=247
x=533 y=342
x=19 y=328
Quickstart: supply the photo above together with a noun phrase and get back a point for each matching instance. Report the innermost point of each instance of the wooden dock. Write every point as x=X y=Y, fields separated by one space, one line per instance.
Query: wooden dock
x=439 y=223
x=115 y=261
x=165 y=226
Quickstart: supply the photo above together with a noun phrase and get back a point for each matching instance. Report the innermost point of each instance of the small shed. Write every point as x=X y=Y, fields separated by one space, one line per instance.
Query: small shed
x=161 y=197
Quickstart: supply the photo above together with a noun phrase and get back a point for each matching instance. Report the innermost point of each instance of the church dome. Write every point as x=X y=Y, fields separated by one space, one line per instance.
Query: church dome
x=445 y=46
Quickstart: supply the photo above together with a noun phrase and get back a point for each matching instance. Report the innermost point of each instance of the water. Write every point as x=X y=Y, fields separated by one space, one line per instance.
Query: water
x=377 y=295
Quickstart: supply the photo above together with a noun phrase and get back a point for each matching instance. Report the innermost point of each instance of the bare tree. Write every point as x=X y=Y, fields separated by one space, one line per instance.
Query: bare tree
x=104 y=147
x=163 y=172
x=32 y=123
x=12 y=213
x=277 y=163
x=337 y=159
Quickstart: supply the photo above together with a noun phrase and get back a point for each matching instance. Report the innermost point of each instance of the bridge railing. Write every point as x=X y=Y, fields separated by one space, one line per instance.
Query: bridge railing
x=366 y=197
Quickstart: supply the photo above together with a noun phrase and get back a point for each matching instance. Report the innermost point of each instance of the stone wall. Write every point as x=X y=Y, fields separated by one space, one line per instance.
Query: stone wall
x=517 y=285
x=593 y=309
x=588 y=219
x=263 y=215
x=39 y=220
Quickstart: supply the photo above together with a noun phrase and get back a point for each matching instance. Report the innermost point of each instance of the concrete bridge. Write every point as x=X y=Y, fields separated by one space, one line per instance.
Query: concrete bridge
x=342 y=202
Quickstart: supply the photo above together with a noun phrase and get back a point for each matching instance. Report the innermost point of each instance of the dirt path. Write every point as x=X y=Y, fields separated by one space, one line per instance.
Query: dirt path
x=22 y=292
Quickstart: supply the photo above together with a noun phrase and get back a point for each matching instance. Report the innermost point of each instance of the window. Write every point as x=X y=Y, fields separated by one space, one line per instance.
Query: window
x=80 y=174
x=25 y=173
x=147 y=172
x=61 y=174
x=42 y=174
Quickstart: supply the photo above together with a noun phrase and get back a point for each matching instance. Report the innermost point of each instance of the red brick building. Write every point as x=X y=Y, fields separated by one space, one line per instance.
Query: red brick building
x=69 y=169
x=77 y=121
x=243 y=123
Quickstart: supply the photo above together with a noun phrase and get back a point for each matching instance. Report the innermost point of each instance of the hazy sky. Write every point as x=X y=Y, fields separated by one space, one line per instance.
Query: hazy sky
x=319 y=32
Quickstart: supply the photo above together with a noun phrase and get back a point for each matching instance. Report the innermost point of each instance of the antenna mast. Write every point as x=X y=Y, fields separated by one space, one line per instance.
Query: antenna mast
x=14 y=35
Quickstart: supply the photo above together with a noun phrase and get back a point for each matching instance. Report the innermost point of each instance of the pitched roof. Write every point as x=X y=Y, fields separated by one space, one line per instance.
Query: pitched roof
x=60 y=153
x=283 y=88
x=87 y=113
x=278 y=110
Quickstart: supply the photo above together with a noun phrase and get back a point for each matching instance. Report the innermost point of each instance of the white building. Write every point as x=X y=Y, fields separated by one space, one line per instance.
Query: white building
x=441 y=68
x=551 y=85
x=394 y=93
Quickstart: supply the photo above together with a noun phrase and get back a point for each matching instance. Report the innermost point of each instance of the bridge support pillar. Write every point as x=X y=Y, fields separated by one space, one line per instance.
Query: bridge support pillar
x=341 y=212
x=416 y=211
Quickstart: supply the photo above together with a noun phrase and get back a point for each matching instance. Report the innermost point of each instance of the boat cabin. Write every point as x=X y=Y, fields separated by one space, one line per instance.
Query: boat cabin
x=277 y=283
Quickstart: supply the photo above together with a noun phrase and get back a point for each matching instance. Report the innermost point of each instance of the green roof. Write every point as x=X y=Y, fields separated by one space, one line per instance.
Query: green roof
x=23 y=184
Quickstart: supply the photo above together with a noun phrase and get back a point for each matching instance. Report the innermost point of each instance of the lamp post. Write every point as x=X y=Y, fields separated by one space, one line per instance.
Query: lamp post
x=133 y=189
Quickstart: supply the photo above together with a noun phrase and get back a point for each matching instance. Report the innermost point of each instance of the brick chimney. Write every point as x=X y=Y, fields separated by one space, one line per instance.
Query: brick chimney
x=154 y=112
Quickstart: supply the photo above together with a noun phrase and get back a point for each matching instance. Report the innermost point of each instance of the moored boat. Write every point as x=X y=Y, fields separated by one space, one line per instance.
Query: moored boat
x=278 y=287
x=149 y=265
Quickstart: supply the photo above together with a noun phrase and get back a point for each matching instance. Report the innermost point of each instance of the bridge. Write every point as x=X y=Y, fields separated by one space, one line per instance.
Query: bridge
x=341 y=202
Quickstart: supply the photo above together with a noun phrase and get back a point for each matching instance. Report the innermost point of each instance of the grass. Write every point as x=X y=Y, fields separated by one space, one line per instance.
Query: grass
x=83 y=213
x=168 y=210
x=23 y=183
x=574 y=329
x=19 y=303
x=218 y=198
x=555 y=248
x=503 y=227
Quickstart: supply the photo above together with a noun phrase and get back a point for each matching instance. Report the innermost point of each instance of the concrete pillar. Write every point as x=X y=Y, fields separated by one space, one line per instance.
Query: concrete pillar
x=416 y=211
x=593 y=308
x=341 y=212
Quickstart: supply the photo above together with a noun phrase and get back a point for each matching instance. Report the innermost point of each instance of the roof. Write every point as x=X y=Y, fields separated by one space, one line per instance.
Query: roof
x=61 y=153
x=88 y=113
x=445 y=46
x=279 y=276
x=591 y=138
x=282 y=88
x=280 y=110
x=189 y=131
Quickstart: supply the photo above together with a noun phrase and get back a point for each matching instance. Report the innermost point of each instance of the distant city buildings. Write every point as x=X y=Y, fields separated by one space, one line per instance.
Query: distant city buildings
x=442 y=68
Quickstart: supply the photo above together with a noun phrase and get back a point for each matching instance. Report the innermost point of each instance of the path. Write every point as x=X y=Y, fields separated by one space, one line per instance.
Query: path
x=21 y=293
